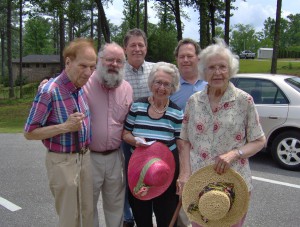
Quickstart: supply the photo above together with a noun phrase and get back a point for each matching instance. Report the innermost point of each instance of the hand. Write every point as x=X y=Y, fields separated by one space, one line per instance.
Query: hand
x=224 y=161
x=44 y=81
x=140 y=142
x=180 y=183
x=74 y=122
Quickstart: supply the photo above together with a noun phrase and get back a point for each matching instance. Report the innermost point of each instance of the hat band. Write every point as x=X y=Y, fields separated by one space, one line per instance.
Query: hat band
x=227 y=188
x=141 y=189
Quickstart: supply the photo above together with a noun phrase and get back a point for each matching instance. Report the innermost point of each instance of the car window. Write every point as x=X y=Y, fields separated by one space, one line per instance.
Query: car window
x=263 y=91
x=294 y=82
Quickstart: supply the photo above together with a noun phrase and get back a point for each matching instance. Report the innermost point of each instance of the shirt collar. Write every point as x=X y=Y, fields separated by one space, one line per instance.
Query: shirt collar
x=67 y=83
x=182 y=81
x=228 y=96
x=134 y=69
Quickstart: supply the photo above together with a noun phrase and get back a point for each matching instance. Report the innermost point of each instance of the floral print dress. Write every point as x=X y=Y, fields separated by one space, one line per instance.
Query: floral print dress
x=232 y=124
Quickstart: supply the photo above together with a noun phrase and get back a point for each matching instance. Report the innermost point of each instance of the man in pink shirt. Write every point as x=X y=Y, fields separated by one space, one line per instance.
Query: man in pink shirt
x=109 y=98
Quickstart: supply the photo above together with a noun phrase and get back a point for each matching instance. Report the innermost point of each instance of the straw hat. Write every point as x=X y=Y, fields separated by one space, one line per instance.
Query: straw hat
x=150 y=171
x=210 y=199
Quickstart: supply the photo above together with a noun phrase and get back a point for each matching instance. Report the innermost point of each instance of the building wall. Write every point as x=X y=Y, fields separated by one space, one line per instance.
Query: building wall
x=35 y=72
x=265 y=53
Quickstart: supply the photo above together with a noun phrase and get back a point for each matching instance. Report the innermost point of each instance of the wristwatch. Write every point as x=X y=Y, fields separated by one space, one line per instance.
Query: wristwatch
x=240 y=152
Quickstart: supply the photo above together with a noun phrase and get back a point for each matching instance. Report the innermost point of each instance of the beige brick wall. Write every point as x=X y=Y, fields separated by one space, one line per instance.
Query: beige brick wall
x=35 y=74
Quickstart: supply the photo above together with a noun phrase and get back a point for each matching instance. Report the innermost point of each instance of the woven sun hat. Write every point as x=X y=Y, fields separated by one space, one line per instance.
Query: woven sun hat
x=210 y=199
x=150 y=171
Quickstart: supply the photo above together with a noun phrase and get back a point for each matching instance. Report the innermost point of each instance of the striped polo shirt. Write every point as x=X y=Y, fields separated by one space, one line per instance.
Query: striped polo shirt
x=165 y=129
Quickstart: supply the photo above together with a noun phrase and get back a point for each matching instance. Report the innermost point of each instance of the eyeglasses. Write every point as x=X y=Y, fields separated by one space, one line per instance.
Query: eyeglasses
x=113 y=60
x=158 y=83
x=214 y=68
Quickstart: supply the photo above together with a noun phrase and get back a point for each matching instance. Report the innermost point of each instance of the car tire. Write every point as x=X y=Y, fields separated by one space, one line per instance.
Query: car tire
x=286 y=150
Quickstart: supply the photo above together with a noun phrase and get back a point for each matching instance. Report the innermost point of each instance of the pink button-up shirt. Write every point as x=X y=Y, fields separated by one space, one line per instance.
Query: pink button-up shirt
x=109 y=108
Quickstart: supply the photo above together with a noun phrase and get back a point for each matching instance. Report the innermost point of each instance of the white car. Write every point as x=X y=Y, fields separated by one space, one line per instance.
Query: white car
x=277 y=99
x=247 y=54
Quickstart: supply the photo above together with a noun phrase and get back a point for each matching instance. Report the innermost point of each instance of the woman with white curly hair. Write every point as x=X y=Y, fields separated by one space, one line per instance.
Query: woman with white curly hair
x=220 y=125
x=156 y=118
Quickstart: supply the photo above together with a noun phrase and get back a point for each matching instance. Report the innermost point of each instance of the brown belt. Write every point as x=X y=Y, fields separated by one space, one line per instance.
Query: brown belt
x=104 y=152
x=83 y=150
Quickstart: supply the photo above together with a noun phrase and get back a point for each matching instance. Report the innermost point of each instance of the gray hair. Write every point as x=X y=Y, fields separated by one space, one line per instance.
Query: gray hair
x=104 y=47
x=167 y=68
x=217 y=49
x=134 y=32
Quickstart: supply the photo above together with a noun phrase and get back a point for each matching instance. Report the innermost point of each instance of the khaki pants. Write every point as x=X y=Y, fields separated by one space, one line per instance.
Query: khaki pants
x=62 y=170
x=109 y=179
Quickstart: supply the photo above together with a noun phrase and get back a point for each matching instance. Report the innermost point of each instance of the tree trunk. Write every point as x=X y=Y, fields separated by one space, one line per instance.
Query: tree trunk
x=61 y=38
x=138 y=13
x=99 y=30
x=9 y=60
x=178 y=20
x=21 y=48
x=227 y=21
x=204 y=32
x=92 y=20
x=104 y=22
x=2 y=53
x=276 y=37
x=212 y=10
x=146 y=17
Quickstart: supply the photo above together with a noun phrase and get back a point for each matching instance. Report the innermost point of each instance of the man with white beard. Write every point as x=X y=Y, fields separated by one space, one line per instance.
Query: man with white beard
x=109 y=98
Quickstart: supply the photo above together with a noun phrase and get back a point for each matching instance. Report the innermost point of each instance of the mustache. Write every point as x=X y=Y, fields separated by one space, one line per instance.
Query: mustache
x=112 y=71
x=110 y=77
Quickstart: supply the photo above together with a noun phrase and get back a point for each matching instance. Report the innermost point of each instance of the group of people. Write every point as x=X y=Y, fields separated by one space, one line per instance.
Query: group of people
x=89 y=116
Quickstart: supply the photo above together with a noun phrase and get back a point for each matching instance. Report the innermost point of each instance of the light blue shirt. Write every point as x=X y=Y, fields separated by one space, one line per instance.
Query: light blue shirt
x=186 y=90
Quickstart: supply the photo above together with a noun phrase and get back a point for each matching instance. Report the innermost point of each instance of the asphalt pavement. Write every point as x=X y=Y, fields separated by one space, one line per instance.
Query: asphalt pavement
x=275 y=200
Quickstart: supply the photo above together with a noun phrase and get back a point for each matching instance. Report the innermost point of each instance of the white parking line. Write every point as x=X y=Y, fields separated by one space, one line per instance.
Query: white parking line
x=9 y=205
x=276 y=182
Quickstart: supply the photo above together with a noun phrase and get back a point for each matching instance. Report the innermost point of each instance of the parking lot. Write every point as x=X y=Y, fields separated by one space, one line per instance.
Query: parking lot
x=23 y=187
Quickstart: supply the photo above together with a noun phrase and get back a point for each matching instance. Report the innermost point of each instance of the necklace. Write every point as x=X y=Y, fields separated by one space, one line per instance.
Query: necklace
x=155 y=108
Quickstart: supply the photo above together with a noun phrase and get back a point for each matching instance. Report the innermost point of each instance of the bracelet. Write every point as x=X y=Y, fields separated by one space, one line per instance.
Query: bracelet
x=240 y=152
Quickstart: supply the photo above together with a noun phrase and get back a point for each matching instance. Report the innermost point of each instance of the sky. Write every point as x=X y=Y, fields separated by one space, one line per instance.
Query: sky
x=253 y=12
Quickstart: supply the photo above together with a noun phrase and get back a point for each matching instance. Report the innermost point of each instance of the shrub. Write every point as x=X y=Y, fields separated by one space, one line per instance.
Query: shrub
x=5 y=81
x=24 y=81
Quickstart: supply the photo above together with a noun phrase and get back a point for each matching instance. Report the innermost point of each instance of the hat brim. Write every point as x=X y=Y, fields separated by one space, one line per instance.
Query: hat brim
x=203 y=177
x=140 y=157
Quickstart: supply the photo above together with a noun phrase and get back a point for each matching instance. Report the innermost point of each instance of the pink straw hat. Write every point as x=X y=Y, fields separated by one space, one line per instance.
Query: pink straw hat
x=150 y=171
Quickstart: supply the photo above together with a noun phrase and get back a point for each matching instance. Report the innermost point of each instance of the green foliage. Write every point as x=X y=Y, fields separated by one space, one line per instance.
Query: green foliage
x=29 y=91
x=24 y=81
x=244 y=38
x=5 y=81
x=161 y=45
x=37 y=36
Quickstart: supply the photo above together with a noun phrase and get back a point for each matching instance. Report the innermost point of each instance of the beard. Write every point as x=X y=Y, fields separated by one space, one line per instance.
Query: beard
x=109 y=77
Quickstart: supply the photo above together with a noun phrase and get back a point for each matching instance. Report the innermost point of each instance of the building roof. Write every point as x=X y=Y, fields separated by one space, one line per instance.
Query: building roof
x=38 y=59
x=265 y=48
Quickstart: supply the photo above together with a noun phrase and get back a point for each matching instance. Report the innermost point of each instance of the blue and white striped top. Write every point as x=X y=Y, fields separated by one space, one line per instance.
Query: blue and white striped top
x=165 y=129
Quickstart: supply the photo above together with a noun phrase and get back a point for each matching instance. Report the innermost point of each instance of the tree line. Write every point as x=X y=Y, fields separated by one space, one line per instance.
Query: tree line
x=44 y=26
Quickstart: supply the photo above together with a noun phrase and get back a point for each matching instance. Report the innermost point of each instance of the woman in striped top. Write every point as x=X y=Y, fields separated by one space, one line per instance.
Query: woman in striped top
x=156 y=118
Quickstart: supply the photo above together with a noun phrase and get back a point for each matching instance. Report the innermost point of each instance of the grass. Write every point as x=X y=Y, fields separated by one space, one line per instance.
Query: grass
x=290 y=67
x=14 y=112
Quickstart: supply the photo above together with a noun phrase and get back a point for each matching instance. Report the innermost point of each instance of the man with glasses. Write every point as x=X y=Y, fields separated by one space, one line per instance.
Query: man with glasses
x=137 y=71
x=109 y=97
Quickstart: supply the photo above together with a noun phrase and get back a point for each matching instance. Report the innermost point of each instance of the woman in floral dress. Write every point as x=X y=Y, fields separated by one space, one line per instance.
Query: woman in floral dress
x=221 y=125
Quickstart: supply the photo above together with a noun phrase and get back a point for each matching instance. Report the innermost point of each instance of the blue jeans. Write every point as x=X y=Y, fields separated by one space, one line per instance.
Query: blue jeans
x=128 y=217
